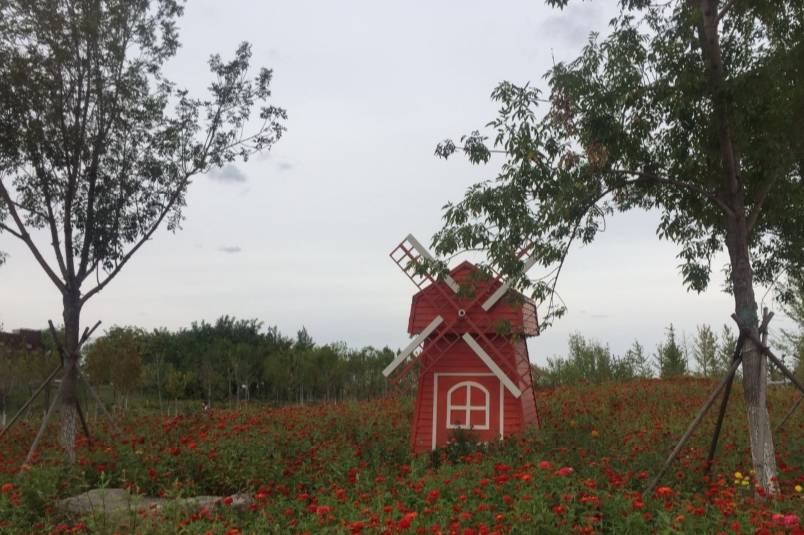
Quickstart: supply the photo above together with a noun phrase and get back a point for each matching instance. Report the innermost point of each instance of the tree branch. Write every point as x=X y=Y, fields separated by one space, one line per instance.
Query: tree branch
x=724 y=10
x=643 y=176
x=762 y=194
x=25 y=237
x=140 y=243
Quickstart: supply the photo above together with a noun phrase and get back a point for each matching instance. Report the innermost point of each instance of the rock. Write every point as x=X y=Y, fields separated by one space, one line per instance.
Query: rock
x=111 y=502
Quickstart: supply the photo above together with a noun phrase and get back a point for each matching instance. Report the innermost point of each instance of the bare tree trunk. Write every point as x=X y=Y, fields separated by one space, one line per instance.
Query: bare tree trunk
x=69 y=398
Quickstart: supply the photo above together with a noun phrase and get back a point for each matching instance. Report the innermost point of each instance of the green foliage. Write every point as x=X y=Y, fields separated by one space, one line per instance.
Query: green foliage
x=650 y=117
x=591 y=362
x=705 y=350
x=637 y=360
x=670 y=358
x=791 y=341
x=116 y=358
x=725 y=350
x=97 y=147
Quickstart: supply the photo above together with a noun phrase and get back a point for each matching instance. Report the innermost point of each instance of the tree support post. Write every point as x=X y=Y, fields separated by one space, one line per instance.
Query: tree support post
x=30 y=400
x=738 y=347
x=695 y=423
x=790 y=413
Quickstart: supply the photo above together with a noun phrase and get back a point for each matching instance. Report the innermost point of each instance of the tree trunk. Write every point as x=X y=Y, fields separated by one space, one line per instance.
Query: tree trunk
x=737 y=238
x=159 y=381
x=69 y=398
x=755 y=364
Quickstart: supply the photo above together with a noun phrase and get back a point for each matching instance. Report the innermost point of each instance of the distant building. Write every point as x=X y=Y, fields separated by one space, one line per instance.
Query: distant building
x=22 y=339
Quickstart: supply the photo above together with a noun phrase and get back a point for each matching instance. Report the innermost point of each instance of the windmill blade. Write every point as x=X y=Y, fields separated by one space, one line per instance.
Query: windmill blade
x=411 y=347
x=489 y=362
x=502 y=290
x=426 y=254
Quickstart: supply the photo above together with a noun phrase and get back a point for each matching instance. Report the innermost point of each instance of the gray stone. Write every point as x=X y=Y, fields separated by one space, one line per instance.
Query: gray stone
x=111 y=502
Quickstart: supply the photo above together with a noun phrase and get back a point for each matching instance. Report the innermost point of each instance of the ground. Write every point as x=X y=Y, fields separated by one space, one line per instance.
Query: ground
x=341 y=468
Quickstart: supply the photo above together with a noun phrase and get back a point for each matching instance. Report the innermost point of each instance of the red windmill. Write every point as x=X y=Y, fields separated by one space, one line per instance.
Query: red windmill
x=470 y=352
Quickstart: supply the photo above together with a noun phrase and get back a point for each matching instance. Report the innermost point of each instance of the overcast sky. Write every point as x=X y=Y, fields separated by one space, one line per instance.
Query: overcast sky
x=301 y=236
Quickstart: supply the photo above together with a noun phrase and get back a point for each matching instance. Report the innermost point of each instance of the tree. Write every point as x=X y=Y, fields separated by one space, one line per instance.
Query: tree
x=689 y=109
x=792 y=341
x=705 y=350
x=638 y=361
x=670 y=357
x=116 y=359
x=98 y=148
x=725 y=350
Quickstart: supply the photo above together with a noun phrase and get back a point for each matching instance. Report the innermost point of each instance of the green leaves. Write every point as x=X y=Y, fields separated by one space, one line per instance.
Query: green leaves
x=96 y=146
x=634 y=123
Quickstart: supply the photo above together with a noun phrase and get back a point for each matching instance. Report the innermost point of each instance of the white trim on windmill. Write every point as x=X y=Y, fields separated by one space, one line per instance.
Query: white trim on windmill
x=502 y=290
x=411 y=347
x=489 y=362
x=426 y=254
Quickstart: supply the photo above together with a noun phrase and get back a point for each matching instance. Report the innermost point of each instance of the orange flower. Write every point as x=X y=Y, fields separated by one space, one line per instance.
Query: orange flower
x=664 y=491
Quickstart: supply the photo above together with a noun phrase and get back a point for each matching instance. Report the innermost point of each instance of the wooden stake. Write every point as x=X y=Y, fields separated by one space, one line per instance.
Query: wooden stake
x=738 y=347
x=99 y=402
x=779 y=364
x=31 y=400
x=83 y=421
x=695 y=423
x=45 y=421
x=790 y=413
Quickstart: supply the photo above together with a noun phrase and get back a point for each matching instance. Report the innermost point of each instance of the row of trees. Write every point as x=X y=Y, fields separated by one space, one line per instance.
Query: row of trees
x=705 y=355
x=233 y=360
x=229 y=361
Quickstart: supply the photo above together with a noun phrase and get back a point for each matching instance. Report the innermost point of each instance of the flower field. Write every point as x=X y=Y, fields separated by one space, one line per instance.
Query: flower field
x=346 y=468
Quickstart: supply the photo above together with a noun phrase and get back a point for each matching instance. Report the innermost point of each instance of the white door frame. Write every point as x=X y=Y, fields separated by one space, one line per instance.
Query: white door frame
x=464 y=374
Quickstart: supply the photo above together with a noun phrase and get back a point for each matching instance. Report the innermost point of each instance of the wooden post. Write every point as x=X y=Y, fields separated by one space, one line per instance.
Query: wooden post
x=790 y=413
x=779 y=364
x=46 y=419
x=83 y=422
x=695 y=423
x=30 y=400
x=99 y=402
x=738 y=347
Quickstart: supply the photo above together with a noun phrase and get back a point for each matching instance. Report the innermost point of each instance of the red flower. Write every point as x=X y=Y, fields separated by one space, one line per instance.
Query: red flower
x=323 y=510
x=664 y=491
x=7 y=487
x=407 y=520
x=545 y=465
x=565 y=471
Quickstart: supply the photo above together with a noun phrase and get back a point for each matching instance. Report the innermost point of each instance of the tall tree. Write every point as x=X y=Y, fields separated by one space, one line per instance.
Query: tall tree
x=725 y=349
x=689 y=108
x=670 y=356
x=638 y=361
x=705 y=350
x=98 y=148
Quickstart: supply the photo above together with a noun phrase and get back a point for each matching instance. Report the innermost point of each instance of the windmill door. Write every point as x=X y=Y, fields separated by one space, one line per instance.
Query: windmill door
x=470 y=402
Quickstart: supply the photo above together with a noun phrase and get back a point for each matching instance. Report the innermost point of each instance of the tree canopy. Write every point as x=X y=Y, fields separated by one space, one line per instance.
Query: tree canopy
x=690 y=109
x=630 y=124
x=97 y=147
